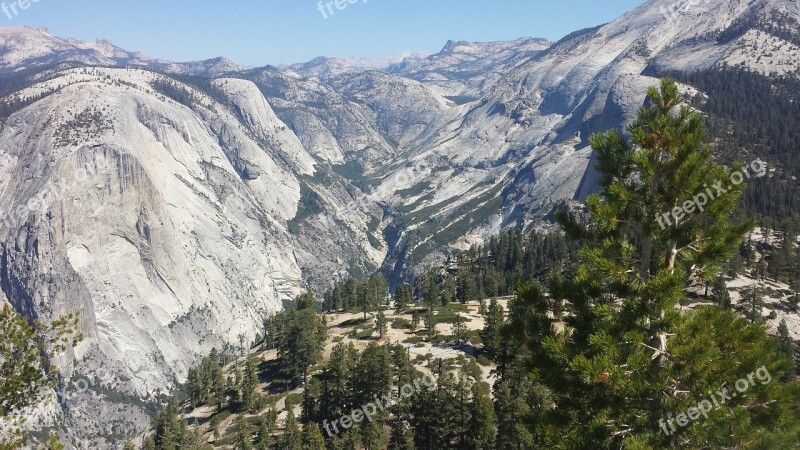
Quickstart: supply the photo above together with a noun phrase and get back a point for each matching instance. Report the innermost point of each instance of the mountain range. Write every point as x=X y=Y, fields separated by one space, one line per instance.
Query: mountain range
x=175 y=204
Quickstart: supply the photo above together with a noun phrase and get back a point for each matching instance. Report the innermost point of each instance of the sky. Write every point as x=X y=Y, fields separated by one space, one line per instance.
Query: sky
x=260 y=32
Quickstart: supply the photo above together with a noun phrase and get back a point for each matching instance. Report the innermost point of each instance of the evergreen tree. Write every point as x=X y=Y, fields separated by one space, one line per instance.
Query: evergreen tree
x=401 y=437
x=460 y=331
x=467 y=288
x=381 y=323
x=24 y=368
x=482 y=430
x=373 y=435
x=629 y=357
x=794 y=297
x=402 y=298
x=169 y=429
x=54 y=443
x=414 y=320
x=312 y=438
x=430 y=322
x=448 y=290
x=431 y=293
x=338 y=377
x=302 y=341
x=490 y=335
x=785 y=343
x=249 y=384
x=719 y=290
x=292 y=438
x=511 y=410
x=264 y=437
x=312 y=400
x=754 y=303
x=373 y=374
x=243 y=439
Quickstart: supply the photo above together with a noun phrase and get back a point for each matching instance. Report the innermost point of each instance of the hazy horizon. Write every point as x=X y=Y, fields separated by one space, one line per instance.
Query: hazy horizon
x=280 y=33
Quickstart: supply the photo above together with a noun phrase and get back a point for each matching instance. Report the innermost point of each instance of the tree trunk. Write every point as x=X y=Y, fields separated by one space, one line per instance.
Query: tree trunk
x=669 y=264
x=647 y=256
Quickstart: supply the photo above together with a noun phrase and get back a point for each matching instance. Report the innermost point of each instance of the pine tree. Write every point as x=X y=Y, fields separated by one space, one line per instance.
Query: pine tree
x=785 y=343
x=54 y=443
x=381 y=323
x=754 y=303
x=414 y=320
x=292 y=438
x=373 y=435
x=448 y=291
x=794 y=298
x=719 y=290
x=490 y=335
x=430 y=322
x=630 y=357
x=336 y=399
x=302 y=341
x=431 y=293
x=460 y=331
x=510 y=410
x=482 y=430
x=264 y=437
x=402 y=298
x=244 y=438
x=249 y=384
x=373 y=374
x=169 y=429
x=312 y=437
x=24 y=368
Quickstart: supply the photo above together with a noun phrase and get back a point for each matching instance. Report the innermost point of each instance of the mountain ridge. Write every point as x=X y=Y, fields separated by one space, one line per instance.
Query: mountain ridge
x=226 y=191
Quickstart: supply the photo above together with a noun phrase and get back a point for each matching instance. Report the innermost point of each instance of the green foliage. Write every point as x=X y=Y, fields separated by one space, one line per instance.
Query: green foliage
x=628 y=359
x=24 y=369
x=490 y=335
x=53 y=443
x=312 y=438
x=292 y=438
x=430 y=323
x=749 y=116
x=495 y=269
x=719 y=290
x=381 y=323
x=364 y=295
x=205 y=384
x=482 y=428
x=460 y=332
x=303 y=334
x=244 y=439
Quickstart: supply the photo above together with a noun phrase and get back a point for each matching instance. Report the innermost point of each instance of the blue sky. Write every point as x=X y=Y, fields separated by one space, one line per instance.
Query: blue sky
x=259 y=32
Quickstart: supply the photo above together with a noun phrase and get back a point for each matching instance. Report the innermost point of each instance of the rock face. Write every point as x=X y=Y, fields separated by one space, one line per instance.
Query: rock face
x=163 y=224
x=174 y=216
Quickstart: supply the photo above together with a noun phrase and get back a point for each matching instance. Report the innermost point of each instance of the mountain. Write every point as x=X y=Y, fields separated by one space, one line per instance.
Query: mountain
x=323 y=67
x=183 y=201
x=164 y=218
x=463 y=69
x=26 y=48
